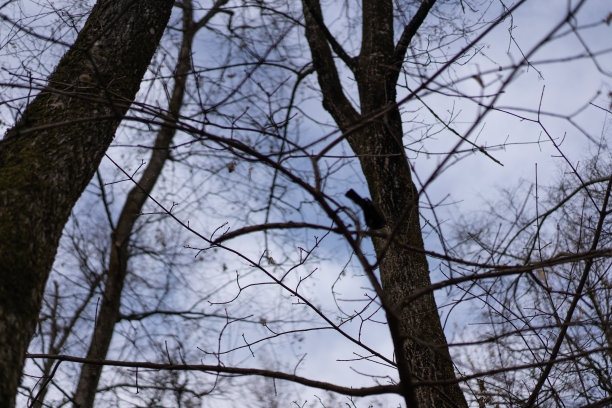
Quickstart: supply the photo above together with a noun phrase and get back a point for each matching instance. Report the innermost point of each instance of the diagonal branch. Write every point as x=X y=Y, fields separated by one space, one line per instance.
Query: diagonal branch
x=334 y=100
x=408 y=34
x=315 y=10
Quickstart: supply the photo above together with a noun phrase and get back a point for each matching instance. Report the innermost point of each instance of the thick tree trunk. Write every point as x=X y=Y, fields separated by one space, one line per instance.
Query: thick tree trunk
x=50 y=155
x=421 y=348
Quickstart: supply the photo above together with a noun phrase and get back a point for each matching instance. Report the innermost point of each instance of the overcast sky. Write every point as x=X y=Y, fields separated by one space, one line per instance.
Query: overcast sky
x=561 y=88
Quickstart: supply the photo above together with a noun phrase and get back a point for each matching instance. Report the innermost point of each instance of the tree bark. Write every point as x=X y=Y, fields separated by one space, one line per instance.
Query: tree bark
x=420 y=344
x=120 y=238
x=49 y=156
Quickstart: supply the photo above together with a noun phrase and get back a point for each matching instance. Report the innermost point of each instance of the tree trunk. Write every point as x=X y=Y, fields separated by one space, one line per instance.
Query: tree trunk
x=421 y=348
x=48 y=158
x=119 y=246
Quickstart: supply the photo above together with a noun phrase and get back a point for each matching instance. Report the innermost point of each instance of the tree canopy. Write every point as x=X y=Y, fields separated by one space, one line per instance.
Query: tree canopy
x=371 y=204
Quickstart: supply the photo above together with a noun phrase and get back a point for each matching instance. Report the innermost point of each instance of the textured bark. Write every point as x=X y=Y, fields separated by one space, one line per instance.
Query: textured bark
x=50 y=155
x=120 y=238
x=420 y=345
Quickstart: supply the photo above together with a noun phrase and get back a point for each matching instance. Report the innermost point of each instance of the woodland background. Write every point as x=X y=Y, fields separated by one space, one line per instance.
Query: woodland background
x=212 y=258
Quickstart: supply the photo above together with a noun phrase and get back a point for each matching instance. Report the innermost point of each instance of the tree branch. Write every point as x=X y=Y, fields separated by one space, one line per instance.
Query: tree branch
x=356 y=392
x=336 y=47
x=409 y=32
x=334 y=100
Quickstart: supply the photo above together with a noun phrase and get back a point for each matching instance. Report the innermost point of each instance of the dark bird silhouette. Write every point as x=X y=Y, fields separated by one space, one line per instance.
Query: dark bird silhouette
x=373 y=217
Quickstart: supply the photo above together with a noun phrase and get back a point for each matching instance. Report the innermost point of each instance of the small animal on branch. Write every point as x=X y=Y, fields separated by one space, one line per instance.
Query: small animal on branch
x=373 y=217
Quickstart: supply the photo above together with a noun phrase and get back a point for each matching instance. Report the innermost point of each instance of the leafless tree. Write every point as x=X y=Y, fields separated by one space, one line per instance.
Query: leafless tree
x=314 y=100
x=558 y=312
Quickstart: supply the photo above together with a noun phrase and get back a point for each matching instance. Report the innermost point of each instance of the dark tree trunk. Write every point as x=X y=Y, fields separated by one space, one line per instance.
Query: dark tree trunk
x=421 y=348
x=48 y=158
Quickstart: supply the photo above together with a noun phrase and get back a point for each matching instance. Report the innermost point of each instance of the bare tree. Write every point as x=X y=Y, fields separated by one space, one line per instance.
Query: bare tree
x=375 y=136
x=278 y=189
x=121 y=232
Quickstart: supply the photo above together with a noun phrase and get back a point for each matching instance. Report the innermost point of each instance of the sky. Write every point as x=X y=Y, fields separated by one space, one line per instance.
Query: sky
x=560 y=88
